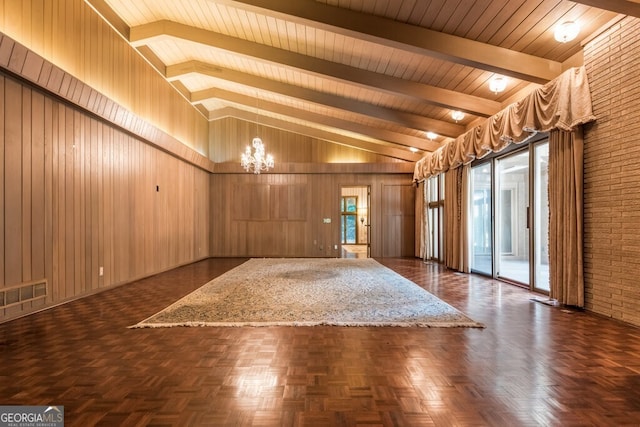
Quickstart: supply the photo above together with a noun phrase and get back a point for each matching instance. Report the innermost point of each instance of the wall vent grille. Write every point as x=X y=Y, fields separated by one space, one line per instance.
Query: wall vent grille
x=24 y=292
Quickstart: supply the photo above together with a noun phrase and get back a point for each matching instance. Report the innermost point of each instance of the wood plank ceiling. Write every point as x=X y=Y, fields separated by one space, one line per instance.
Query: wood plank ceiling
x=378 y=72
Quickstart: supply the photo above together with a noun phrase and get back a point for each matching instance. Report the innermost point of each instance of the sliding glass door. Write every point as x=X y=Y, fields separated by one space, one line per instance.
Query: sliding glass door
x=510 y=217
x=435 y=213
x=481 y=217
x=541 y=217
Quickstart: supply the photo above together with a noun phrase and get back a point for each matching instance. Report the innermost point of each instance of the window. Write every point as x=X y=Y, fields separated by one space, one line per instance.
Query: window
x=349 y=219
x=435 y=212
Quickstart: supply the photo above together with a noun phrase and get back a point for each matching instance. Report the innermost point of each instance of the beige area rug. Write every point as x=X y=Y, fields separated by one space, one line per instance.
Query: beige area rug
x=308 y=292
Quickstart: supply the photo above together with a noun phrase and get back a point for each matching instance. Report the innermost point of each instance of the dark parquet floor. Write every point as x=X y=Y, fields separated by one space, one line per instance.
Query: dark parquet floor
x=533 y=365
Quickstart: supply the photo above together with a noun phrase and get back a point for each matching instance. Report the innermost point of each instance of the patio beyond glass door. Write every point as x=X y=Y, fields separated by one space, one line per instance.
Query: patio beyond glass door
x=481 y=216
x=541 y=217
x=512 y=218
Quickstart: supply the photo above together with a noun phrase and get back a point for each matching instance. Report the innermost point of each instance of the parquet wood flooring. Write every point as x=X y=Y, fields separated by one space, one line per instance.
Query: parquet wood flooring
x=533 y=365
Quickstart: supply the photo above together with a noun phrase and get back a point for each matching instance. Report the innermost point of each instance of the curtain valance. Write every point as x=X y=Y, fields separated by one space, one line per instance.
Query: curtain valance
x=563 y=103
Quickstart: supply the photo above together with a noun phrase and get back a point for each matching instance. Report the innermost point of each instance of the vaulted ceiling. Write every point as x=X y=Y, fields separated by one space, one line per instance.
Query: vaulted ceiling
x=374 y=74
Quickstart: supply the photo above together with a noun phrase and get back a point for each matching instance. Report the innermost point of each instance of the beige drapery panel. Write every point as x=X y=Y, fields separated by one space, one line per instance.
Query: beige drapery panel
x=563 y=103
x=456 y=219
x=565 y=217
x=423 y=243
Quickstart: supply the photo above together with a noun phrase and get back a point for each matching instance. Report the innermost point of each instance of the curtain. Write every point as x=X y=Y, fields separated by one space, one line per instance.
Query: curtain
x=427 y=223
x=559 y=107
x=421 y=220
x=563 y=103
x=565 y=217
x=456 y=218
x=424 y=247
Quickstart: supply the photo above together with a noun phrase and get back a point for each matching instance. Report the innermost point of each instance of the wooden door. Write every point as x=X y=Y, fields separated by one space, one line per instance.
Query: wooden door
x=398 y=220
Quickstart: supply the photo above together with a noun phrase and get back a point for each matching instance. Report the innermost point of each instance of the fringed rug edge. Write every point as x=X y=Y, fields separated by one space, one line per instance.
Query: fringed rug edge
x=470 y=324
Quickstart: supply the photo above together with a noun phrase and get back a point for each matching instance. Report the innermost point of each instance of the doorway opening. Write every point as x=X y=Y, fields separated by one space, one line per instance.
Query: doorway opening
x=355 y=230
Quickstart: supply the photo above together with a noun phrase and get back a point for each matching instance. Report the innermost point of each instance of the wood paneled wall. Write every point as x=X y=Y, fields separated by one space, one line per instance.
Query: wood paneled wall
x=283 y=215
x=72 y=36
x=77 y=194
x=398 y=220
x=229 y=136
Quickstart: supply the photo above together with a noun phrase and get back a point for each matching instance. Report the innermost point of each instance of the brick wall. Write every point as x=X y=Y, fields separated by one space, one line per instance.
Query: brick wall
x=612 y=174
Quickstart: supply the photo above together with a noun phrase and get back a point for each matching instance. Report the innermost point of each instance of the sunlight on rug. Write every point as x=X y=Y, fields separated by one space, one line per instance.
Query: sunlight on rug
x=309 y=292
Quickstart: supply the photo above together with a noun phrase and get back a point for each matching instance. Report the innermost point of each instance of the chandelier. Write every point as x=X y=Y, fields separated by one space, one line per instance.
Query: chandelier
x=256 y=161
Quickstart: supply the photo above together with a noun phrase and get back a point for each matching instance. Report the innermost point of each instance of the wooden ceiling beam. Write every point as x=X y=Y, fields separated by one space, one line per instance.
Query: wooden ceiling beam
x=411 y=38
x=625 y=7
x=432 y=95
x=384 y=136
x=401 y=118
x=110 y=17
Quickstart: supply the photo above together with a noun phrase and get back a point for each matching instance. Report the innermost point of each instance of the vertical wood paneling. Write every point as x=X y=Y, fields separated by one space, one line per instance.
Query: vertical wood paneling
x=391 y=220
x=78 y=194
x=13 y=183
x=55 y=202
x=238 y=230
x=38 y=186
x=49 y=252
x=408 y=215
x=72 y=36
x=108 y=170
x=94 y=195
x=398 y=214
x=2 y=180
x=68 y=213
x=229 y=136
x=26 y=225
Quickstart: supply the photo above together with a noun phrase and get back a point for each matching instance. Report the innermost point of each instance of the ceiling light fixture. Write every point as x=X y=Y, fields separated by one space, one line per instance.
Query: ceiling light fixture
x=566 y=31
x=498 y=84
x=413 y=149
x=457 y=115
x=432 y=135
x=256 y=161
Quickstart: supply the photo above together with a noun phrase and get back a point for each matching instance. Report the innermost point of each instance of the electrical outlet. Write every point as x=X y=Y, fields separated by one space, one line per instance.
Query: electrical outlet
x=101 y=272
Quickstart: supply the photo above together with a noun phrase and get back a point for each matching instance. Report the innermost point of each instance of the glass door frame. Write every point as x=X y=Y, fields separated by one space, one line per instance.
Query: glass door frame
x=514 y=149
x=515 y=235
x=435 y=212
x=480 y=164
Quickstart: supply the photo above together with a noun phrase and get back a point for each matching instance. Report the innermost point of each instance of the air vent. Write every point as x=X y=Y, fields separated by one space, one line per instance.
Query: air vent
x=24 y=292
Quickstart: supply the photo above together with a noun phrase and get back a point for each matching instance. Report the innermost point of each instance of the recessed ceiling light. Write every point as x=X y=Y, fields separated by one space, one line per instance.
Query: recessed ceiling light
x=566 y=31
x=413 y=149
x=498 y=84
x=457 y=115
x=432 y=135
